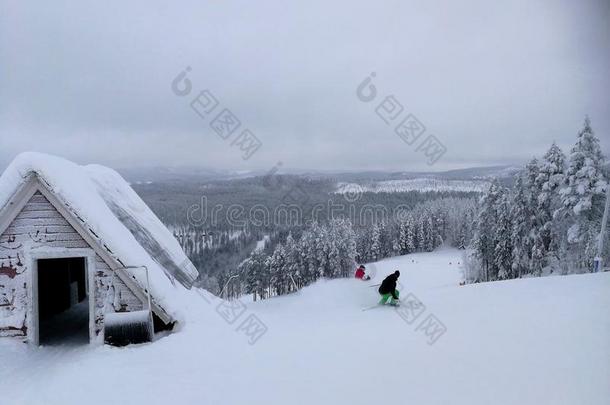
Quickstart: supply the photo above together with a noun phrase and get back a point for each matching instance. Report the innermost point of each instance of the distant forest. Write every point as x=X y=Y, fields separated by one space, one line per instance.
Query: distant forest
x=220 y=223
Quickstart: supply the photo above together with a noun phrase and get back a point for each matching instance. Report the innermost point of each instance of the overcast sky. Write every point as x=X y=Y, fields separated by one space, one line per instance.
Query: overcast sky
x=496 y=84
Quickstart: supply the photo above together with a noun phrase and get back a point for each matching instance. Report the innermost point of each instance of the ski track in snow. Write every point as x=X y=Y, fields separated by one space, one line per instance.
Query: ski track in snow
x=531 y=341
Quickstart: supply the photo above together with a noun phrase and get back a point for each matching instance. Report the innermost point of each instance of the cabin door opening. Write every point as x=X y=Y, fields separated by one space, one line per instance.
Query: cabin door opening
x=63 y=301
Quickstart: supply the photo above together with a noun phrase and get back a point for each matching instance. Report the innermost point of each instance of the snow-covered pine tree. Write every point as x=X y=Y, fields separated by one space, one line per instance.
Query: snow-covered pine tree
x=400 y=245
x=385 y=239
x=460 y=241
x=404 y=244
x=255 y=275
x=485 y=236
x=333 y=242
x=416 y=234
x=521 y=214
x=503 y=251
x=345 y=240
x=277 y=269
x=294 y=262
x=431 y=237
x=319 y=250
x=537 y=261
x=582 y=196
x=532 y=171
x=410 y=235
x=441 y=229
x=422 y=234
x=364 y=241
x=376 y=241
x=306 y=248
x=550 y=178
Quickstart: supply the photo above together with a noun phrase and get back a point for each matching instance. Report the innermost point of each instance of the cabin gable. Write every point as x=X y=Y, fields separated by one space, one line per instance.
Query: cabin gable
x=39 y=226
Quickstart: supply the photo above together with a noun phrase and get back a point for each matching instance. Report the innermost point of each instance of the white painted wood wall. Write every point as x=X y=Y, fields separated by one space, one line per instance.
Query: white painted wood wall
x=40 y=225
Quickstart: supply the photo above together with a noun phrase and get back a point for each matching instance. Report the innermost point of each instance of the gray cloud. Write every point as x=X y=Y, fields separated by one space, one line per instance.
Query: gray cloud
x=495 y=83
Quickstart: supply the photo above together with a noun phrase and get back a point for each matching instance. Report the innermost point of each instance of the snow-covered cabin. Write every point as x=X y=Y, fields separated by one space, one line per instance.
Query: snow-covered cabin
x=79 y=238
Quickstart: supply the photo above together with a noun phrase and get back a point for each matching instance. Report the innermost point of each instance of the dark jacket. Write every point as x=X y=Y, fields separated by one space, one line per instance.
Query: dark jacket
x=388 y=286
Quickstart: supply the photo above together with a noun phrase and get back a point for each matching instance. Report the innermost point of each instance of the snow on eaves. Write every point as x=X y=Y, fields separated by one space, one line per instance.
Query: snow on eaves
x=116 y=216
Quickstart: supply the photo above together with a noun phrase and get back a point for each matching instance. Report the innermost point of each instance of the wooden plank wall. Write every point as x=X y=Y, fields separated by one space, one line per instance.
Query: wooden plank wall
x=38 y=225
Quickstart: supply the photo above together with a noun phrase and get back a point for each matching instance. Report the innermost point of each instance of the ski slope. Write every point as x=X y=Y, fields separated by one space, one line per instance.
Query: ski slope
x=531 y=341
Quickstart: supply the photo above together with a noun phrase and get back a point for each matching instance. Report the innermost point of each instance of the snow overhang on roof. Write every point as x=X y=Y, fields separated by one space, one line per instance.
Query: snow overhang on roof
x=109 y=208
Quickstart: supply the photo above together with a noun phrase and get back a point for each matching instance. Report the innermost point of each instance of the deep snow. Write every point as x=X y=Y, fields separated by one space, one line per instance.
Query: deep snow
x=530 y=341
x=123 y=224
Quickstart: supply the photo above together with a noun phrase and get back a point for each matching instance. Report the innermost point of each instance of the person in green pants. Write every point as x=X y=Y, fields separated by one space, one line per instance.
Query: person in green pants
x=388 y=290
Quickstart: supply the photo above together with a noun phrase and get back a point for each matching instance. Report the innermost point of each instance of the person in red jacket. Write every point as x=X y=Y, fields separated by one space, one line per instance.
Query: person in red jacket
x=360 y=273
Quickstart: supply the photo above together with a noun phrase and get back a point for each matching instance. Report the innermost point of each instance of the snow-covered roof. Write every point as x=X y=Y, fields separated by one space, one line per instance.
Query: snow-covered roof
x=115 y=215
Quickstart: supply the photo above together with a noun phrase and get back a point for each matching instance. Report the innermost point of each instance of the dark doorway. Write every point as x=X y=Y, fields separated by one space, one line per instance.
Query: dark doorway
x=63 y=305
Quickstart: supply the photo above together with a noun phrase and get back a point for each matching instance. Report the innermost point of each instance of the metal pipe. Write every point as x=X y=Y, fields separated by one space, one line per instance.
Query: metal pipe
x=148 y=299
x=227 y=283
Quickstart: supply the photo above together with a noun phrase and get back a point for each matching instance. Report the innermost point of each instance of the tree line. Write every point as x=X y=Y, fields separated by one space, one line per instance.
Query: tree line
x=549 y=222
x=332 y=250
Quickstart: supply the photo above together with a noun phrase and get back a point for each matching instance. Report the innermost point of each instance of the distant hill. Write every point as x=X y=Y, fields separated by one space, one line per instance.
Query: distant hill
x=145 y=175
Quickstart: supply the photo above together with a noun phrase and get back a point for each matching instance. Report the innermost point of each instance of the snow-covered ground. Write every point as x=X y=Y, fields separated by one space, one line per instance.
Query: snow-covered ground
x=422 y=185
x=531 y=341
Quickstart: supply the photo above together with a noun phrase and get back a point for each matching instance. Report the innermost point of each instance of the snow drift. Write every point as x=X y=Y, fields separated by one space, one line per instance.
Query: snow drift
x=530 y=341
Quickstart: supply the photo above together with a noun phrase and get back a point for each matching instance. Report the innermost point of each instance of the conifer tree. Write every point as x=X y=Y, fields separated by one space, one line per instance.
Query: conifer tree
x=503 y=251
x=582 y=196
x=550 y=178
x=520 y=217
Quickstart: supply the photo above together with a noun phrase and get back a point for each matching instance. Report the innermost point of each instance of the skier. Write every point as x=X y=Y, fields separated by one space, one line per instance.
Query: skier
x=388 y=289
x=360 y=273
